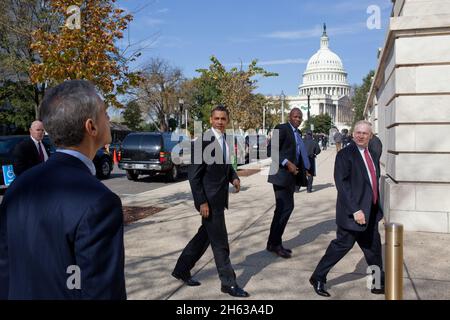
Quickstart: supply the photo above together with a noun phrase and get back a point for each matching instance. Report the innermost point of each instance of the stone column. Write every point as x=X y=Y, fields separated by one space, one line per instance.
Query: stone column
x=409 y=103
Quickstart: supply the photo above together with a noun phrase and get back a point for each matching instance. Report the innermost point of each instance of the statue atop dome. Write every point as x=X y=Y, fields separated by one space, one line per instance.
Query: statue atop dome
x=324 y=29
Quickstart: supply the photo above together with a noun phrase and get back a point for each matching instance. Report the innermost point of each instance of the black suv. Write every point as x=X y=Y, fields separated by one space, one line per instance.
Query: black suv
x=150 y=153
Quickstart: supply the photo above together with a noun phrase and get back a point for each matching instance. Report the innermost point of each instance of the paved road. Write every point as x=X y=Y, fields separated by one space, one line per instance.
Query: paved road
x=119 y=183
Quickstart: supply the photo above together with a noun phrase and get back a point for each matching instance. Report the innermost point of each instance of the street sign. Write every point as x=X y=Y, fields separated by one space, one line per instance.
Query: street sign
x=304 y=108
x=8 y=174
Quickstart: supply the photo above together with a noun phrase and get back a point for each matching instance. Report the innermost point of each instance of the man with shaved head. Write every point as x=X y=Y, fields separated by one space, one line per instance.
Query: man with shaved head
x=31 y=151
x=288 y=170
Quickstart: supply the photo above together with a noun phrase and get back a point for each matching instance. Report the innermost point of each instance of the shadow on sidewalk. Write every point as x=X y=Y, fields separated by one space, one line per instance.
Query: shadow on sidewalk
x=318 y=187
x=259 y=260
x=358 y=273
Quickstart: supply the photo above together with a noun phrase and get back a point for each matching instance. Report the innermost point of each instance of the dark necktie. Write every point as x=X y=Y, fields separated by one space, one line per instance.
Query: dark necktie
x=301 y=150
x=224 y=149
x=372 y=175
x=41 y=153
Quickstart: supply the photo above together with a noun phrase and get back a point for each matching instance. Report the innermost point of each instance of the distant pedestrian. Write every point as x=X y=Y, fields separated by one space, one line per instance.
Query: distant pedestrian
x=338 y=140
x=324 y=142
x=313 y=149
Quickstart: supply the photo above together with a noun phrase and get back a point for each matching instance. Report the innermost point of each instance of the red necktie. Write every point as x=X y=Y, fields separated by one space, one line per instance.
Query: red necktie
x=373 y=176
x=41 y=154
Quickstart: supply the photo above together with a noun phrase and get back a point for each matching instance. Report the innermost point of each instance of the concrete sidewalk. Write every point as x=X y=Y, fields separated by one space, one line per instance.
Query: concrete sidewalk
x=153 y=245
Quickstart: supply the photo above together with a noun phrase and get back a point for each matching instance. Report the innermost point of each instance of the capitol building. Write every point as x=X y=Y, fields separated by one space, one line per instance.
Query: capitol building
x=325 y=82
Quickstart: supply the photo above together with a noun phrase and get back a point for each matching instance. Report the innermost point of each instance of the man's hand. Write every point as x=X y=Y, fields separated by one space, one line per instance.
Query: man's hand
x=237 y=185
x=359 y=217
x=204 y=210
x=308 y=174
x=292 y=168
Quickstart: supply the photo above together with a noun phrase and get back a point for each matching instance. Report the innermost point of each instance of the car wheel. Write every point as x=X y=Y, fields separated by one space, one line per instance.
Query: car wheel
x=132 y=175
x=173 y=174
x=104 y=170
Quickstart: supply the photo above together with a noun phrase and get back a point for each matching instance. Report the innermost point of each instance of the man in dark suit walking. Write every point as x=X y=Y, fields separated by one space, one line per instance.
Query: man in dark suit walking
x=289 y=168
x=358 y=211
x=31 y=151
x=61 y=230
x=209 y=177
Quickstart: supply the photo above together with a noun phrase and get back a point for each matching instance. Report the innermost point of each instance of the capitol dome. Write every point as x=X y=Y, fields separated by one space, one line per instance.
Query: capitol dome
x=325 y=73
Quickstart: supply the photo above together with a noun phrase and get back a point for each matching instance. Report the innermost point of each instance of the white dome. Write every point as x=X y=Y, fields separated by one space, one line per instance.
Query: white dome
x=325 y=73
x=324 y=59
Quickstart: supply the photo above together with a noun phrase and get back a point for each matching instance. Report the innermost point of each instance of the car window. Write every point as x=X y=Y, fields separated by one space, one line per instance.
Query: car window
x=132 y=141
x=7 y=144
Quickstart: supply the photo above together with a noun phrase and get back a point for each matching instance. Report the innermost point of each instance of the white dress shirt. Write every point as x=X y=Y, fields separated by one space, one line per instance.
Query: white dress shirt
x=42 y=146
x=361 y=150
x=219 y=137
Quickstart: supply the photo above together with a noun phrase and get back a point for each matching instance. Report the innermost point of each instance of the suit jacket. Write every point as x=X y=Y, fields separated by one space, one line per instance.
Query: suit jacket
x=26 y=155
x=71 y=219
x=210 y=179
x=354 y=188
x=287 y=149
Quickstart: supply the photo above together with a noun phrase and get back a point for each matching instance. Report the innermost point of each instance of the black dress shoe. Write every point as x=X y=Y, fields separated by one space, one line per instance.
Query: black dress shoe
x=319 y=287
x=235 y=291
x=286 y=249
x=378 y=291
x=189 y=281
x=279 y=250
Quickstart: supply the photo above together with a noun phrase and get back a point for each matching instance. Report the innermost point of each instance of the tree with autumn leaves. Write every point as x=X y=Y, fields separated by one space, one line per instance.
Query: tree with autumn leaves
x=88 y=52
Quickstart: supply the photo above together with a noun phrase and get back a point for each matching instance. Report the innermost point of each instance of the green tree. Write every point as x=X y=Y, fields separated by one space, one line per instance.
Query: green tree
x=17 y=105
x=273 y=112
x=132 y=116
x=235 y=88
x=322 y=123
x=360 y=97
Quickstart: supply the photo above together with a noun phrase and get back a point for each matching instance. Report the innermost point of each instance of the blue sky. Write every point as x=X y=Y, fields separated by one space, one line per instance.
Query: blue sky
x=281 y=34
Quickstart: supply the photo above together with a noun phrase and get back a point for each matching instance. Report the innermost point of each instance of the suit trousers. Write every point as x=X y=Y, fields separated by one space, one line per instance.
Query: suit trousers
x=369 y=241
x=212 y=231
x=310 y=182
x=284 y=198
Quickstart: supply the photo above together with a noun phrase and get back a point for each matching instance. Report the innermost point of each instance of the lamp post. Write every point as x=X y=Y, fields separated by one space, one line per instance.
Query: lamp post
x=186 y=119
x=264 y=119
x=282 y=96
x=180 y=114
x=308 y=106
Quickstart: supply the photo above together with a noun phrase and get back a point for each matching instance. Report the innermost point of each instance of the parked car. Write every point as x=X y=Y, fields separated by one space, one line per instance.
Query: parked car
x=150 y=153
x=7 y=144
x=103 y=161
